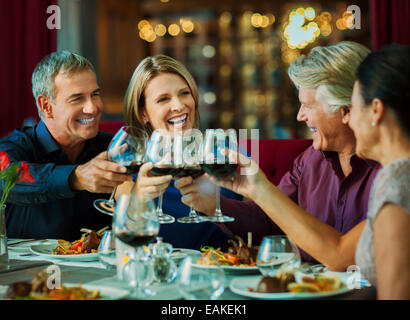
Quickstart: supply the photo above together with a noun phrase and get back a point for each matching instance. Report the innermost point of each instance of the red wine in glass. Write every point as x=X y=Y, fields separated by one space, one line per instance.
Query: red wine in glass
x=220 y=170
x=194 y=172
x=133 y=167
x=135 y=239
x=163 y=171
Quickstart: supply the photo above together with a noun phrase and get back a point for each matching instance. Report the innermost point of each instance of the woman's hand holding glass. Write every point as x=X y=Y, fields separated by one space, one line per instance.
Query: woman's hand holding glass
x=151 y=186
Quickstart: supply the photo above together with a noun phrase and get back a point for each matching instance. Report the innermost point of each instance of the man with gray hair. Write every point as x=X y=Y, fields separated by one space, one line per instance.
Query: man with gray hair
x=328 y=182
x=66 y=153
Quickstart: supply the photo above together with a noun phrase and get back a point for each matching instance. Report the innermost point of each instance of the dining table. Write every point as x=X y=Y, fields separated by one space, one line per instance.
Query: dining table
x=24 y=264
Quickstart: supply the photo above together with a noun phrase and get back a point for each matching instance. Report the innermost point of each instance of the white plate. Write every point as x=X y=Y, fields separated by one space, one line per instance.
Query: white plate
x=229 y=269
x=23 y=245
x=180 y=253
x=240 y=286
x=44 y=250
x=106 y=292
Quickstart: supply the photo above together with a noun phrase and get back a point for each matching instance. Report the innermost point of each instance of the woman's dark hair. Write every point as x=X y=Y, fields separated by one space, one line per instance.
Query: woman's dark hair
x=385 y=74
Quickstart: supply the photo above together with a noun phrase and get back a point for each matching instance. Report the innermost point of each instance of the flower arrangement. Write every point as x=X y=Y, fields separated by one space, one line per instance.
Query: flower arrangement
x=10 y=174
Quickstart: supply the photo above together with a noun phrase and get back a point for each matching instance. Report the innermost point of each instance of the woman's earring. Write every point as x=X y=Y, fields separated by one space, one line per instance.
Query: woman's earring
x=145 y=121
x=373 y=123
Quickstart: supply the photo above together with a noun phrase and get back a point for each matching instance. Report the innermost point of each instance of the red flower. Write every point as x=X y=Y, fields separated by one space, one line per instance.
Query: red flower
x=4 y=160
x=25 y=175
x=10 y=174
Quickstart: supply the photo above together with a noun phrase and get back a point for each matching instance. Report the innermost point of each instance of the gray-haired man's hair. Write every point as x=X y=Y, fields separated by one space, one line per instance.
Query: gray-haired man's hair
x=47 y=69
x=331 y=70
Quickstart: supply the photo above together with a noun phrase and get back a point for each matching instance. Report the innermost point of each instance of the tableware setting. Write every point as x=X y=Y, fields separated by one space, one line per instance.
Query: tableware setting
x=23 y=245
x=105 y=292
x=199 y=284
x=45 y=251
x=135 y=224
x=106 y=250
x=178 y=254
x=232 y=270
x=247 y=287
x=277 y=253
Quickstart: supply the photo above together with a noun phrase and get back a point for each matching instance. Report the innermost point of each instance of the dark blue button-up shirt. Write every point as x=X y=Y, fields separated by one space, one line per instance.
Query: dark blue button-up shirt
x=48 y=208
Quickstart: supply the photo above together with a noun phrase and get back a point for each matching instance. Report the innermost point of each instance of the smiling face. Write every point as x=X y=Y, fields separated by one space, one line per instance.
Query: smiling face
x=169 y=103
x=360 y=122
x=74 y=115
x=326 y=127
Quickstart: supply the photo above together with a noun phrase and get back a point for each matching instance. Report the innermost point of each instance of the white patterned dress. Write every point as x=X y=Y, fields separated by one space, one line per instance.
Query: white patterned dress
x=391 y=185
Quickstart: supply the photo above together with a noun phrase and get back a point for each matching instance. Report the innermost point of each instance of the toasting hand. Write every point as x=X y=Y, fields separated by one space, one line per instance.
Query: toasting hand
x=99 y=175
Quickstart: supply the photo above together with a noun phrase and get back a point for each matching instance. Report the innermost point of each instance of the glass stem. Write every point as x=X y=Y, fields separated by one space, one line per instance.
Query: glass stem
x=111 y=200
x=218 y=211
x=159 y=209
x=192 y=212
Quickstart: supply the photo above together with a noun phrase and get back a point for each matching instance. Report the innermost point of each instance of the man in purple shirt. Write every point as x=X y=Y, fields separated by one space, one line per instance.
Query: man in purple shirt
x=317 y=184
x=326 y=193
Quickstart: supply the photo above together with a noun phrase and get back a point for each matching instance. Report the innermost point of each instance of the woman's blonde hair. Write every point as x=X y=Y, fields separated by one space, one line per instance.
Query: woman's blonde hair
x=331 y=70
x=134 y=101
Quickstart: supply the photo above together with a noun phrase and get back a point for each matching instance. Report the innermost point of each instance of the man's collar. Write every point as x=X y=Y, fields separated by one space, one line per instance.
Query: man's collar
x=45 y=139
x=49 y=145
x=328 y=155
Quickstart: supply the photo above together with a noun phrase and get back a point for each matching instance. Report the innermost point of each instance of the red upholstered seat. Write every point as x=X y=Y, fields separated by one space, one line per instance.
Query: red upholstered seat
x=111 y=126
x=276 y=156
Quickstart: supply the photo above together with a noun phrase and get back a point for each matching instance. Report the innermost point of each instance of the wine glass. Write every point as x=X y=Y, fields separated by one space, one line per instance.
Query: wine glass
x=277 y=254
x=192 y=162
x=219 y=165
x=106 y=250
x=160 y=153
x=136 y=225
x=126 y=148
x=200 y=284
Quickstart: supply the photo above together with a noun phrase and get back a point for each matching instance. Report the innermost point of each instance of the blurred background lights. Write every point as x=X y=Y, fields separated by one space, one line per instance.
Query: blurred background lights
x=310 y=13
x=146 y=31
x=208 y=51
x=143 y=23
x=298 y=34
x=209 y=97
x=160 y=30
x=261 y=21
x=225 y=18
x=187 y=25
x=174 y=29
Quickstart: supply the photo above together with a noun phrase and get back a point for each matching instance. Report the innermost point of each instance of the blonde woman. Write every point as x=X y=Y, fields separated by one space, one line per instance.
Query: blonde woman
x=326 y=193
x=162 y=94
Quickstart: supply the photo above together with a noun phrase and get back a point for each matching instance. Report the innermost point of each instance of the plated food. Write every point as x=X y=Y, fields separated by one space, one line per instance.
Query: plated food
x=88 y=243
x=239 y=255
x=286 y=282
x=293 y=285
x=37 y=289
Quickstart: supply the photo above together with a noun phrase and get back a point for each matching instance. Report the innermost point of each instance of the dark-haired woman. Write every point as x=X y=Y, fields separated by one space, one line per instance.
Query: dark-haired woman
x=382 y=136
x=380 y=118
